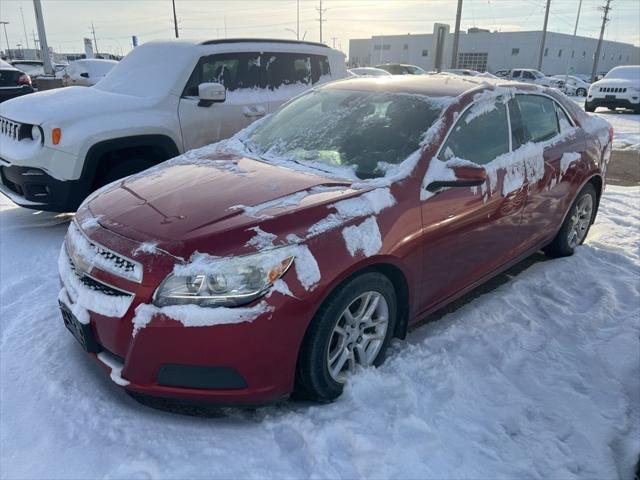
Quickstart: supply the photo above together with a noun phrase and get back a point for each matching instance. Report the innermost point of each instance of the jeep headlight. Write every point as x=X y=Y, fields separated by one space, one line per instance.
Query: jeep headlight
x=216 y=281
x=36 y=134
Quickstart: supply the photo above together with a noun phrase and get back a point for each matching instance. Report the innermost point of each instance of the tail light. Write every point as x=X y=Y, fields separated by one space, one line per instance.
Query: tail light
x=611 y=134
x=24 y=79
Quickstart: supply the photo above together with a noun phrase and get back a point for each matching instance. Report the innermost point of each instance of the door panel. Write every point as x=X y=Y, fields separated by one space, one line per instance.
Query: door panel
x=469 y=232
x=243 y=77
x=549 y=197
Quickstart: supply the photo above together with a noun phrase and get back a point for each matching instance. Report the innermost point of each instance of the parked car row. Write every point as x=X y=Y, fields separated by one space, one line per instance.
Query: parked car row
x=289 y=253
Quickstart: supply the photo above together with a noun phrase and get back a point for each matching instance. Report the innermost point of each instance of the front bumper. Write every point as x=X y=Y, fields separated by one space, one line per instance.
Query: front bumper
x=34 y=188
x=248 y=363
x=614 y=101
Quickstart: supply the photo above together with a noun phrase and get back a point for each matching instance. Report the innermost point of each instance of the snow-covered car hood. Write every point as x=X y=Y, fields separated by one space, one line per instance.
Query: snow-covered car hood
x=179 y=202
x=68 y=103
x=616 y=82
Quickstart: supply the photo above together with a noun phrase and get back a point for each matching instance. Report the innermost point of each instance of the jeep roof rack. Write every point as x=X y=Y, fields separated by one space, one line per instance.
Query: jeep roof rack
x=266 y=40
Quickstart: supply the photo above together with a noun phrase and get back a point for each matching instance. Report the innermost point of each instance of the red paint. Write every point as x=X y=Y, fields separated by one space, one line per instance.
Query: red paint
x=443 y=246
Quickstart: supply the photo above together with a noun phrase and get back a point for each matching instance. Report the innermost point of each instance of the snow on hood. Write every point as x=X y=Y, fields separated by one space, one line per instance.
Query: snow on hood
x=68 y=103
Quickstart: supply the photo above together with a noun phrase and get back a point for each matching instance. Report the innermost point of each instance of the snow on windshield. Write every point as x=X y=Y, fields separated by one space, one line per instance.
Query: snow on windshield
x=347 y=132
x=150 y=70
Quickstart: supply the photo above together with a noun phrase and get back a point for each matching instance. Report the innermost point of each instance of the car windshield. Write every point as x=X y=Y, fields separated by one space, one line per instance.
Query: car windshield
x=625 y=73
x=331 y=129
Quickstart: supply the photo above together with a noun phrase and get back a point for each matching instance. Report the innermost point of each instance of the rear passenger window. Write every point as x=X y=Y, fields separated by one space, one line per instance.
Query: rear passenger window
x=285 y=68
x=539 y=117
x=563 y=119
x=478 y=137
x=233 y=70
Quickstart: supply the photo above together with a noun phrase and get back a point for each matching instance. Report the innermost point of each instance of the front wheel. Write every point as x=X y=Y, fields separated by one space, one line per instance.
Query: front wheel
x=351 y=330
x=581 y=92
x=576 y=225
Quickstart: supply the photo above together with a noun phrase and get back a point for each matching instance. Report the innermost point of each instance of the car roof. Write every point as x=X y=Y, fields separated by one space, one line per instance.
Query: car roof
x=430 y=85
x=260 y=40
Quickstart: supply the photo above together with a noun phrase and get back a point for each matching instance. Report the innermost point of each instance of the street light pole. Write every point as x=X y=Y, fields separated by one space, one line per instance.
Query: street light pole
x=456 y=37
x=573 y=41
x=42 y=36
x=175 y=19
x=4 y=24
x=544 y=35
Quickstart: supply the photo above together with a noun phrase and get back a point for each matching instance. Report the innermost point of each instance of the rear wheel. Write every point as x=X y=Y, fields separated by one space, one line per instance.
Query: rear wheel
x=351 y=330
x=576 y=225
x=589 y=107
x=611 y=108
x=581 y=92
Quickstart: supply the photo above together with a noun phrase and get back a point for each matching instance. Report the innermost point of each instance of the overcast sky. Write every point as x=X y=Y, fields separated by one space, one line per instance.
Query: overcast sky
x=68 y=21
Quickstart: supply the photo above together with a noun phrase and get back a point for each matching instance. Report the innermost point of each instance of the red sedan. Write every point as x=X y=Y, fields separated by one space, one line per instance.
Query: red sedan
x=286 y=258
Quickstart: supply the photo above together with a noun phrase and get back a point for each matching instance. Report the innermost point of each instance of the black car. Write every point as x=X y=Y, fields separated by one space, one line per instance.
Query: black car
x=13 y=82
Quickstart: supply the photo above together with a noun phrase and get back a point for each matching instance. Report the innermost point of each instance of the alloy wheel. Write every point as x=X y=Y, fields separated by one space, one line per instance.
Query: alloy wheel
x=580 y=221
x=358 y=335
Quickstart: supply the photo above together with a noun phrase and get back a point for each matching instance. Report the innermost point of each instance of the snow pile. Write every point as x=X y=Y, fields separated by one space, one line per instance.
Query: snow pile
x=364 y=238
x=116 y=368
x=196 y=316
x=536 y=378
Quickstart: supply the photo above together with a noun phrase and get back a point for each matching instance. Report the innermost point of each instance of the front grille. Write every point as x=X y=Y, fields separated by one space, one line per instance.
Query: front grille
x=14 y=130
x=105 y=259
x=97 y=286
x=613 y=89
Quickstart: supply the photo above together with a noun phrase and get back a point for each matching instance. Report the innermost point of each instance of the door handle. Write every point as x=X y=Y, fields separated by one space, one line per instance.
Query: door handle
x=254 y=111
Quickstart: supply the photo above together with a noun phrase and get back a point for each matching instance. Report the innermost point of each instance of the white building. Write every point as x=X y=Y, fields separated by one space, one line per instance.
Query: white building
x=490 y=51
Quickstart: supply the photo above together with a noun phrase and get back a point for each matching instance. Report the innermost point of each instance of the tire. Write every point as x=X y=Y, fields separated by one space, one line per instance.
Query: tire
x=613 y=109
x=314 y=380
x=588 y=107
x=581 y=92
x=575 y=227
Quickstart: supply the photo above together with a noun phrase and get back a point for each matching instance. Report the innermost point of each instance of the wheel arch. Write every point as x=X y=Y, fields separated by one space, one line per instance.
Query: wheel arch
x=160 y=146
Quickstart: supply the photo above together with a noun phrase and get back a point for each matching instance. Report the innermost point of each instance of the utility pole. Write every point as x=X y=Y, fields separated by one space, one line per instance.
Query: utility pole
x=175 y=19
x=544 y=34
x=298 y=19
x=456 y=37
x=605 y=19
x=321 y=20
x=334 y=41
x=573 y=41
x=35 y=40
x=42 y=36
x=24 y=27
x=95 y=42
x=8 y=52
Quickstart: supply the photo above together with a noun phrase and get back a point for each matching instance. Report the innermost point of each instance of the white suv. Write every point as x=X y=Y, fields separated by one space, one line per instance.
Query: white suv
x=620 y=88
x=163 y=99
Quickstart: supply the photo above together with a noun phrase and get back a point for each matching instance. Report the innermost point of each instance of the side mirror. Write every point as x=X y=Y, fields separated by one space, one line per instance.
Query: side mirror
x=210 y=93
x=85 y=74
x=464 y=176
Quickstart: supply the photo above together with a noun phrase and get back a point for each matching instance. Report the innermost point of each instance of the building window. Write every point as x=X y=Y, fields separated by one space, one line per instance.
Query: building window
x=473 y=61
x=546 y=52
x=584 y=54
x=386 y=47
x=627 y=58
x=425 y=53
x=382 y=47
x=405 y=46
x=612 y=56
x=620 y=58
x=515 y=51
x=559 y=53
x=604 y=55
x=573 y=53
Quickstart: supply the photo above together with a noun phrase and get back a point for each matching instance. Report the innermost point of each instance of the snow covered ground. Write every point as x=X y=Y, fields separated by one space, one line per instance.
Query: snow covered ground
x=537 y=378
x=626 y=126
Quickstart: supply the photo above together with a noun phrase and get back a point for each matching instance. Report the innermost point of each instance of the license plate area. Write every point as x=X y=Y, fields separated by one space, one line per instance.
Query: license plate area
x=80 y=331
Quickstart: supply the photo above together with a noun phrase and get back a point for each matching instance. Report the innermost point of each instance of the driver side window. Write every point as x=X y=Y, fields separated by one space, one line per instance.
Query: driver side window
x=478 y=136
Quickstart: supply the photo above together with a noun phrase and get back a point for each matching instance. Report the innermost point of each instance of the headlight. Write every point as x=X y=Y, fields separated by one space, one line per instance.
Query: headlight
x=36 y=134
x=214 y=281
